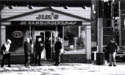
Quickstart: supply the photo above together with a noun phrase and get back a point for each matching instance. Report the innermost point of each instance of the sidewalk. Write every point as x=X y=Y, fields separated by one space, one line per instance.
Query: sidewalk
x=64 y=69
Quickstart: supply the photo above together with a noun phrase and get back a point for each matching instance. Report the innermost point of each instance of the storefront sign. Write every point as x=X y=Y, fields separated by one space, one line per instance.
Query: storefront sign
x=50 y=23
x=17 y=34
x=47 y=16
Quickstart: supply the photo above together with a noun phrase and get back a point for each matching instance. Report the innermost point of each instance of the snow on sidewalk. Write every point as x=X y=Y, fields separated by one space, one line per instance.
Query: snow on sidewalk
x=64 y=69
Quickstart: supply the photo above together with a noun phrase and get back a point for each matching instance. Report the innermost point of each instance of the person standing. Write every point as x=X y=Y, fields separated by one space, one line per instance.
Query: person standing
x=112 y=48
x=48 y=48
x=5 y=51
x=38 y=49
x=27 y=51
x=58 y=47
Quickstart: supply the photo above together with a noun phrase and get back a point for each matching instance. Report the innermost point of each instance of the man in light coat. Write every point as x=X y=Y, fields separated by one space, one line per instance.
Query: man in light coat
x=5 y=51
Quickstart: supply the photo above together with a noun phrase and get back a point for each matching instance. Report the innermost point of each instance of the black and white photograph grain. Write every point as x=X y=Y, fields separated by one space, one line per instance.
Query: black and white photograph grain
x=62 y=37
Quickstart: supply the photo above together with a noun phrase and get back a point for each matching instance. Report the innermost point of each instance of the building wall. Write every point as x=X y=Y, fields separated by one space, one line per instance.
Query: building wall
x=79 y=11
x=26 y=14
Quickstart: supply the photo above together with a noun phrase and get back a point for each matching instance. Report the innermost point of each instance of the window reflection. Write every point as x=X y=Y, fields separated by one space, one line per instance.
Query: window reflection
x=74 y=38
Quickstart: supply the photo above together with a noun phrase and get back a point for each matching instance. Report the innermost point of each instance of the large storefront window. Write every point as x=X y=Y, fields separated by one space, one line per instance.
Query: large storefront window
x=17 y=35
x=74 y=39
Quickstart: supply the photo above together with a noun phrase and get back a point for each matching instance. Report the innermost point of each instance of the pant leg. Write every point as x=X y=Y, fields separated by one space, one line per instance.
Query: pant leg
x=26 y=59
x=8 y=58
x=113 y=59
x=3 y=59
x=35 y=58
x=110 y=59
x=39 y=58
x=31 y=59
x=57 y=58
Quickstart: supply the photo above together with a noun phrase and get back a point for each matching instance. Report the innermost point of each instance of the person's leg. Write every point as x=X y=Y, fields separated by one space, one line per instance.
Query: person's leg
x=28 y=61
x=114 y=60
x=59 y=58
x=110 y=59
x=47 y=53
x=49 y=56
x=39 y=59
x=31 y=59
x=56 y=58
x=8 y=58
x=3 y=59
x=35 y=58
x=26 y=58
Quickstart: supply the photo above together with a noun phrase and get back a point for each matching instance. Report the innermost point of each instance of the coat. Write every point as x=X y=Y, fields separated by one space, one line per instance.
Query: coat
x=39 y=47
x=112 y=47
x=4 y=49
x=27 y=48
x=58 y=46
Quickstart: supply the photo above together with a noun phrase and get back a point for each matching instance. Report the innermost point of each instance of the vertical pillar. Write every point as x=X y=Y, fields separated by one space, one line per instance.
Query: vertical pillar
x=100 y=55
x=100 y=26
x=100 y=35
x=1 y=7
x=3 y=34
x=120 y=36
x=63 y=39
x=88 y=42
x=0 y=35
x=0 y=28
x=79 y=31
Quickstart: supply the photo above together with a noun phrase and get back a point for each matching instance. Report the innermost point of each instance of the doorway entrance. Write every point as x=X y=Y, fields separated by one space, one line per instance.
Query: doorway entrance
x=49 y=40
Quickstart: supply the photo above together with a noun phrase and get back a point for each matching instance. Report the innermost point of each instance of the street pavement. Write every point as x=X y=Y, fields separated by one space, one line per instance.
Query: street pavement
x=48 y=68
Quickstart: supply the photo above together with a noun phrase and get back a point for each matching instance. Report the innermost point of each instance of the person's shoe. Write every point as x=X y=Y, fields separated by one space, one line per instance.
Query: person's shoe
x=2 y=66
x=56 y=64
x=39 y=65
x=114 y=65
x=110 y=65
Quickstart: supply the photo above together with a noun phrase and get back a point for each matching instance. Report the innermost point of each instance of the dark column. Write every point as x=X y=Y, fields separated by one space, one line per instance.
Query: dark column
x=100 y=54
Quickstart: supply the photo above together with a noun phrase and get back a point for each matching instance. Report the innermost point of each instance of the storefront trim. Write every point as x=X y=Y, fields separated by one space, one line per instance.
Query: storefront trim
x=47 y=23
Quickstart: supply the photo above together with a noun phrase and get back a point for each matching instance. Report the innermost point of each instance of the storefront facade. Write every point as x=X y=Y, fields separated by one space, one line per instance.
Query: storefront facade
x=71 y=25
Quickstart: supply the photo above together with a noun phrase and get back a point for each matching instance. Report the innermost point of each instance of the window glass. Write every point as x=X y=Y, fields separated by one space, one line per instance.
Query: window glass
x=74 y=38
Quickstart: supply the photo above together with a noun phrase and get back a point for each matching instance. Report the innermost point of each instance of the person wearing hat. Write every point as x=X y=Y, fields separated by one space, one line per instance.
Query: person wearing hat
x=5 y=51
x=38 y=49
x=58 y=46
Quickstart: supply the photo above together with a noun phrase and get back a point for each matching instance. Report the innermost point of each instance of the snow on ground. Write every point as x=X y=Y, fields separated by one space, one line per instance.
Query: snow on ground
x=64 y=69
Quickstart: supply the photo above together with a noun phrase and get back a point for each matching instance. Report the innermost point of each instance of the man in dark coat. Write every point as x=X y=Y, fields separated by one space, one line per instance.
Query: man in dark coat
x=58 y=47
x=27 y=51
x=48 y=48
x=38 y=49
x=5 y=51
x=112 y=48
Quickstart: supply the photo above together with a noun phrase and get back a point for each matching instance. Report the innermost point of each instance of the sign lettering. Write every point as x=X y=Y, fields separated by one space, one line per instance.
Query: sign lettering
x=47 y=23
x=17 y=34
x=47 y=16
x=52 y=23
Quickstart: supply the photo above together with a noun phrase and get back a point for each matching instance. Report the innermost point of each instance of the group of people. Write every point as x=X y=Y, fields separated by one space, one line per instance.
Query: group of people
x=31 y=56
x=112 y=48
x=38 y=48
